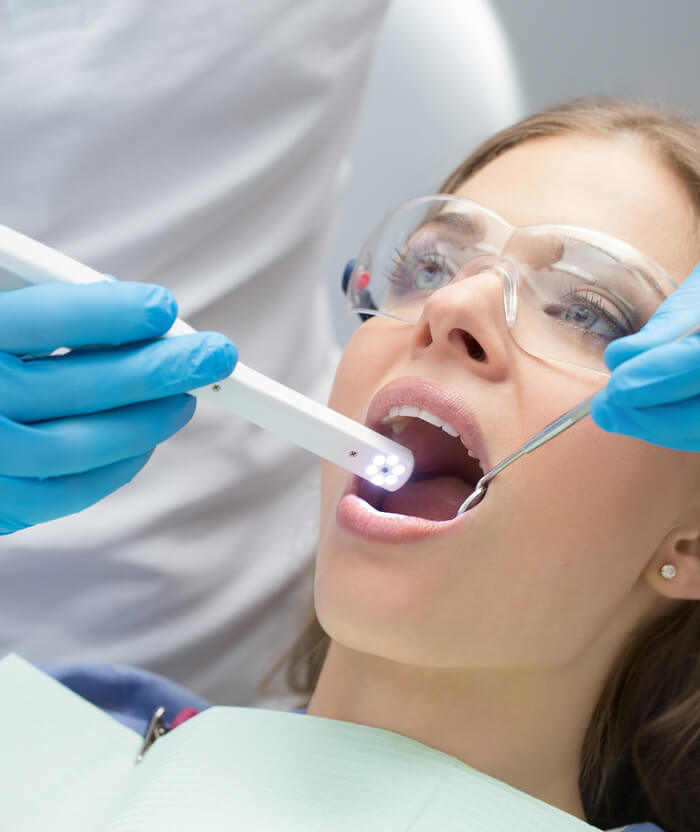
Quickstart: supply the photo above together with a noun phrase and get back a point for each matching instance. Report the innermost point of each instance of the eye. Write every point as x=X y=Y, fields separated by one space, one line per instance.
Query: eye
x=591 y=315
x=430 y=274
x=424 y=271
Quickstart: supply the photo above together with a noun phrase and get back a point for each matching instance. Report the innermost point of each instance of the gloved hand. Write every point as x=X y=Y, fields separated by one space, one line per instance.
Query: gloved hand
x=654 y=390
x=75 y=427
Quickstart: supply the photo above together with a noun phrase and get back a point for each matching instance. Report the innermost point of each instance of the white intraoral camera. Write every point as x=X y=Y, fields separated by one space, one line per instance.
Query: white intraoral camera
x=249 y=394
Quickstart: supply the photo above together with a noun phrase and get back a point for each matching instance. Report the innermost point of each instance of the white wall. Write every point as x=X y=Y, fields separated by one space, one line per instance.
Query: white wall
x=648 y=49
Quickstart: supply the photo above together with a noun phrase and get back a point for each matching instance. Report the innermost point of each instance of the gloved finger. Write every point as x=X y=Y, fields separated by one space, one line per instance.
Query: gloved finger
x=660 y=375
x=81 y=443
x=26 y=502
x=678 y=313
x=88 y=382
x=40 y=319
x=674 y=425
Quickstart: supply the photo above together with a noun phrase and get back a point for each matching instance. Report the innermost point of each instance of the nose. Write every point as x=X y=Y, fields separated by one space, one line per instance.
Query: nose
x=465 y=320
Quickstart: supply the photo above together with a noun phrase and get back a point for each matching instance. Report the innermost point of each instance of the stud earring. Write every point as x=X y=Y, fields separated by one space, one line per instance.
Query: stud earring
x=668 y=571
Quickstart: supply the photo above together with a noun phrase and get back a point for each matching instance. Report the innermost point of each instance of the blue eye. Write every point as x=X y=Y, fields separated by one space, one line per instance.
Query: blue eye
x=590 y=316
x=430 y=276
x=580 y=315
x=424 y=271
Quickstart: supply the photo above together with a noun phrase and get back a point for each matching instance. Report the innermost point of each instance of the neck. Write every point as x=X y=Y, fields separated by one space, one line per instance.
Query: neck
x=523 y=728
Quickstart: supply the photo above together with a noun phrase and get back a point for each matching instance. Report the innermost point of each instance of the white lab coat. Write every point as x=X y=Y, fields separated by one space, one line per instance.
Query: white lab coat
x=198 y=145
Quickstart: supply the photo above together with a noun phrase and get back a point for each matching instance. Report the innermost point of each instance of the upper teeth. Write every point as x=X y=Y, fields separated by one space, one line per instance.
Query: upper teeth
x=398 y=424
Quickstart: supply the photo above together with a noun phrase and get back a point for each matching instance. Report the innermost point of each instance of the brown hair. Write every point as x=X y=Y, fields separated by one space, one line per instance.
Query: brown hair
x=640 y=759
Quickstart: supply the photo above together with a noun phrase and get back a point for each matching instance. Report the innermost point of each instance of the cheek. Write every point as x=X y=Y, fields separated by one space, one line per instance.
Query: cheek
x=588 y=489
x=603 y=488
x=372 y=353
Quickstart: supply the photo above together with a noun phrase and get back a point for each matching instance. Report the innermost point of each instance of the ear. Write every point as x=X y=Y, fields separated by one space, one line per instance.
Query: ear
x=681 y=549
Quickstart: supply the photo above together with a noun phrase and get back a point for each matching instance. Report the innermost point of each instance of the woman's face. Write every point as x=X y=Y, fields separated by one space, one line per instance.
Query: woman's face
x=557 y=554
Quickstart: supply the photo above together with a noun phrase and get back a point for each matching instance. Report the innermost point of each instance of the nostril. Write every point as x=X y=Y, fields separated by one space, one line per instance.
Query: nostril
x=424 y=336
x=474 y=348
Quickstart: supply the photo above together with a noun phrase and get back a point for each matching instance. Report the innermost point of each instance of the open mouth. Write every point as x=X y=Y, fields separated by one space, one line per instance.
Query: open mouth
x=445 y=473
x=450 y=456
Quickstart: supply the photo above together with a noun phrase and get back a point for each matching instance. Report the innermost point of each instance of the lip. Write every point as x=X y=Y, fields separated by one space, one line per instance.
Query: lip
x=358 y=517
x=444 y=402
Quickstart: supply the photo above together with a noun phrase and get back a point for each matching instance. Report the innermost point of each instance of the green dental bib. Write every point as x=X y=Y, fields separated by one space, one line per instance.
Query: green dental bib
x=69 y=767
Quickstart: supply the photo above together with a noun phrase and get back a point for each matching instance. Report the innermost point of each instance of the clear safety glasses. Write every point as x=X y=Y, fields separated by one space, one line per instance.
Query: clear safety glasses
x=567 y=292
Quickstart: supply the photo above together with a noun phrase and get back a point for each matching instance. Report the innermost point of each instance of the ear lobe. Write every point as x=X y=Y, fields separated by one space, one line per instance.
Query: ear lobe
x=681 y=549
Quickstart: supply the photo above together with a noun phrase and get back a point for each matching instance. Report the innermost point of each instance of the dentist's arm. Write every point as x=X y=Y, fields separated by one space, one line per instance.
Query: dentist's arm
x=654 y=390
x=74 y=428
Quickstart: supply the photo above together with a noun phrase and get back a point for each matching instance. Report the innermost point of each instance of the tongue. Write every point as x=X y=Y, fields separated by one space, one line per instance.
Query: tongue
x=435 y=499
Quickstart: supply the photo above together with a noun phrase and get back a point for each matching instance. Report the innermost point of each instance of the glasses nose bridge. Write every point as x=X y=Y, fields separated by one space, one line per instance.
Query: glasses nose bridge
x=507 y=271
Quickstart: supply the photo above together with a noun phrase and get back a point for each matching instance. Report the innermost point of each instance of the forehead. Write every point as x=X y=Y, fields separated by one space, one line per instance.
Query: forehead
x=612 y=185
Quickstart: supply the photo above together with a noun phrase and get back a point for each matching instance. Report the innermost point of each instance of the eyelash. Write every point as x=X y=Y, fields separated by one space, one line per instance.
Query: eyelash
x=398 y=262
x=595 y=304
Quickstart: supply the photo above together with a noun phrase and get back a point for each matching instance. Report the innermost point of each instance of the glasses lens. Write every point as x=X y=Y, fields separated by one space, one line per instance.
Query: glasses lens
x=577 y=290
x=575 y=297
x=417 y=250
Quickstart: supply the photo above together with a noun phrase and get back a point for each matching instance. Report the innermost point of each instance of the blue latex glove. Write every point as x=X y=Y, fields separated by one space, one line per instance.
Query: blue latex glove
x=75 y=427
x=654 y=390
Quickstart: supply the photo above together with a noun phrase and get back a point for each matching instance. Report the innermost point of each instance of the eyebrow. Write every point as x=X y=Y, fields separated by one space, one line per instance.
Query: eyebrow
x=646 y=275
x=451 y=220
x=587 y=276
